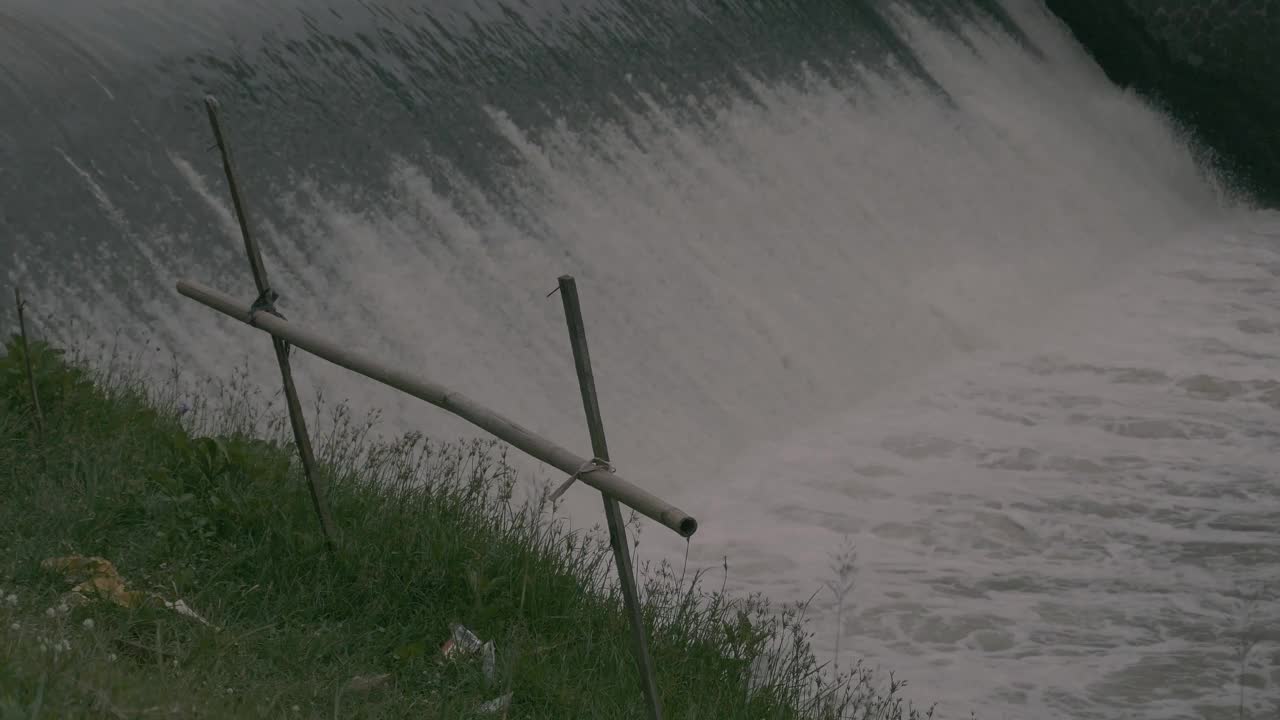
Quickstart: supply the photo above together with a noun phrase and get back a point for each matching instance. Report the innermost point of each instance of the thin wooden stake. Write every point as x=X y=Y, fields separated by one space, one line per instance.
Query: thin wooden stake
x=26 y=357
x=617 y=528
x=266 y=303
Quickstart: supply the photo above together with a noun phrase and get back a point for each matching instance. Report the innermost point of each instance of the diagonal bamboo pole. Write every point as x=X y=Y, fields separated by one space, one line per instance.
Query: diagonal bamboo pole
x=26 y=357
x=266 y=304
x=464 y=407
x=612 y=511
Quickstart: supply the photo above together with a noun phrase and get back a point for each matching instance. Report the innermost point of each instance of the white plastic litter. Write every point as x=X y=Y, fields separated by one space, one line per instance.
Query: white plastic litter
x=463 y=641
x=496 y=705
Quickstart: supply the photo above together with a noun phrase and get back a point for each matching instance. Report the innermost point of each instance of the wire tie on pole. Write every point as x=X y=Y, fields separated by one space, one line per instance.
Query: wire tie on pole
x=266 y=302
x=589 y=466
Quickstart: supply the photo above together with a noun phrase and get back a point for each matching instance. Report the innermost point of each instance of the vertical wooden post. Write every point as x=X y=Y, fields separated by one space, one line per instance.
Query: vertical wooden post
x=26 y=357
x=613 y=511
x=266 y=303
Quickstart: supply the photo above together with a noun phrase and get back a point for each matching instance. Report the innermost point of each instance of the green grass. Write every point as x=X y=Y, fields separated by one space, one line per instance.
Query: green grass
x=189 y=503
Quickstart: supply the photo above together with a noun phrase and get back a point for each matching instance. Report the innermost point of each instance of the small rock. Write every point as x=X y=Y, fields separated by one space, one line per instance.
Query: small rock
x=365 y=683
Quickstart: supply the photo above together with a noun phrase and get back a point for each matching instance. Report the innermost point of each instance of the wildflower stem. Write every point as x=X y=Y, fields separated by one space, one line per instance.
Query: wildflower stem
x=26 y=357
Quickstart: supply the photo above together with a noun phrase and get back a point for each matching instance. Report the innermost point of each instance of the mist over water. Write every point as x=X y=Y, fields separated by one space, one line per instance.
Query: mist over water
x=932 y=284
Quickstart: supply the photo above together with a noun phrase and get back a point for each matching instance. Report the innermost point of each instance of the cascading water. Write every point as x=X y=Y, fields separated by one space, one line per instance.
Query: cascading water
x=912 y=272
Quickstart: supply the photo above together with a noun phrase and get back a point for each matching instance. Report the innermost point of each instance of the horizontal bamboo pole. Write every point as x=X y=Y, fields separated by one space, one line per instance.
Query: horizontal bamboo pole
x=464 y=407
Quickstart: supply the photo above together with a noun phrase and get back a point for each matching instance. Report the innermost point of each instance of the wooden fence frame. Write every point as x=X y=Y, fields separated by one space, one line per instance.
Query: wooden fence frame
x=595 y=471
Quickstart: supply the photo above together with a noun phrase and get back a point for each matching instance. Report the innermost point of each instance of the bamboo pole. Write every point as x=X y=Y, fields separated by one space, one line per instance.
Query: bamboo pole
x=522 y=439
x=266 y=303
x=612 y=511
x=26 y=358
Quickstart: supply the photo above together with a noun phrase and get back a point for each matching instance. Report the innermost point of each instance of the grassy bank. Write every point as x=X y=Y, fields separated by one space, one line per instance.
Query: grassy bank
x=189 y=505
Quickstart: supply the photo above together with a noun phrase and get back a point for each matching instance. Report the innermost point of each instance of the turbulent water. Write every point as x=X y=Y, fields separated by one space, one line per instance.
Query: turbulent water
x=912 y=274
